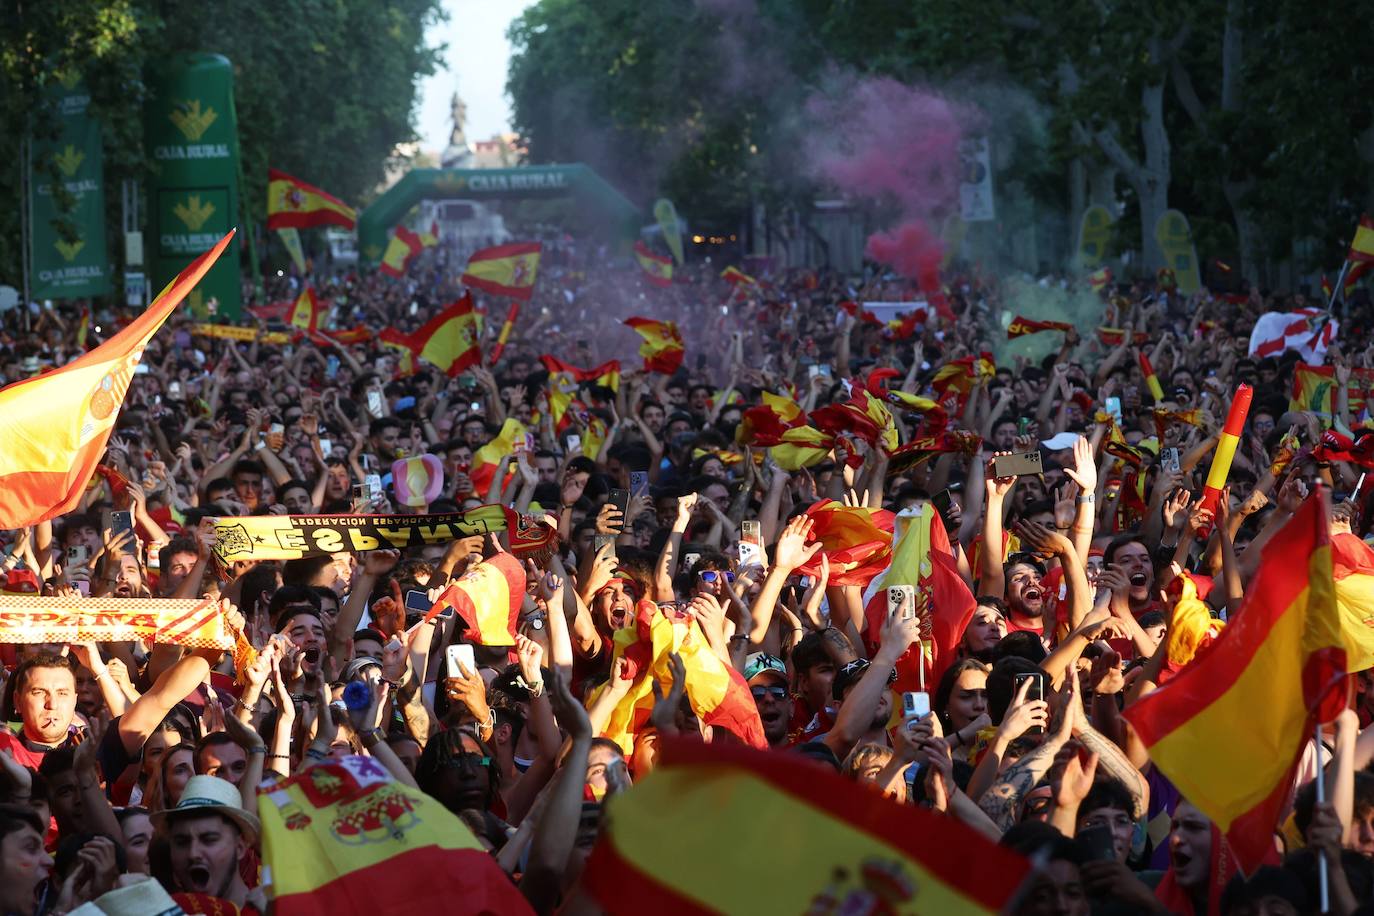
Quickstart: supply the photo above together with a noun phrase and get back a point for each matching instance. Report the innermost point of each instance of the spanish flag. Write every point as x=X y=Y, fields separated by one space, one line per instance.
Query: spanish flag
x=802 y=447
x=1352 y=563
x=1021 y=326
x=448 y=341
x=1100 y=279
x=833 y=845
x=911 y=455
x=505 y=270
x=338 y=837
x=933 y=414
x=1362 y=245
x=736 y=277
x=1151 y=380
x=400 y=251
x=304 y=314
x=863 y=415
x=1314 y=389
x=764 y=424
x=487 y=599
x=293 y=204
x=487 y=459
x=1112 y=337
x=658 y=269
x=606 y=375
x=857 y=541
x=1229 y=729
x=924 y=558
x=662 y=348
x=512 y=315
x=717 y=693
x=955 y=379
x=54 y=426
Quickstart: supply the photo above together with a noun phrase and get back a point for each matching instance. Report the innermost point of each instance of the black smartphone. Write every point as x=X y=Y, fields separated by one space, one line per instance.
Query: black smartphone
x=118 y=521
x=1096 y=843
x=601 y=540
x=621 y=500
x=1017 y=464
x=943 y=502
x=418 y=600
x=1036 y=692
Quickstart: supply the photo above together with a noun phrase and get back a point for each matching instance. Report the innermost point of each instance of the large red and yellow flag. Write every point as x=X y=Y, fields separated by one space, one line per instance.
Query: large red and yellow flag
x=54 y=427
x=1362 y=245
x=293 y=204
x=658 y=269
x=835 y=845
x=400 y=251
x=736 y=277
x=607 y=374
x=487 y=598
x=1352 y=564
x=1021 y=326
x=765 y=424
x=1229 y=729
x=662 y=348
x=1314 y=389
x=448 y=341
x=338 y=835
x=924 y=558
x=505 y=270
x=955 y=379
x=487 y=459
x=856 y=540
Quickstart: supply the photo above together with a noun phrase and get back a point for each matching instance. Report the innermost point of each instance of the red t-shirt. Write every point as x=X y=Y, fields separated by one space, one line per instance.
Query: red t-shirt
x=25 y=753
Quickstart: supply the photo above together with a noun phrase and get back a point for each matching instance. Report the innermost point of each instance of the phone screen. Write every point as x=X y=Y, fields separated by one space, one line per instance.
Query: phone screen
x=1036 y=692
x=418 y=600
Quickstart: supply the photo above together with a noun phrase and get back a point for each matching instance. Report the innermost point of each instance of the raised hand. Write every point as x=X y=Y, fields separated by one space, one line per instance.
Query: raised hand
x=791 y=550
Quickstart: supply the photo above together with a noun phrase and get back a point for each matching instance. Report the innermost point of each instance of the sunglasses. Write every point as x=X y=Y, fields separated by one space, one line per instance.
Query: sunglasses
x=777 y=693
x=710 y=575
x=469 y=760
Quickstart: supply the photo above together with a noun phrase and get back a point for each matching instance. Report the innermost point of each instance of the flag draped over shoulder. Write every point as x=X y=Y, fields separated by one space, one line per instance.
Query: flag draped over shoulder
x=487 y=598
x=662 y=348
x=832 y=845
x=505 y=270
x=717 y=692
x=293 y=204
x=54 y=427
x=658 y=269
x=1229 y=729
x=345 y=837
x=923 y=557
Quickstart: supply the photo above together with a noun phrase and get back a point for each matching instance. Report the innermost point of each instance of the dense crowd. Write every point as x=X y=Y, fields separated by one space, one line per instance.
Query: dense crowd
x=124 y=759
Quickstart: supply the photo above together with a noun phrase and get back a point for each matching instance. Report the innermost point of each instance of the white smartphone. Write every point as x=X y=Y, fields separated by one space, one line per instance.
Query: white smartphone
x=897 y=596
x=326 y=447
x=750 y=543
x=915 y=705
x=461 y=661
x=374 y=402
x=574 y=441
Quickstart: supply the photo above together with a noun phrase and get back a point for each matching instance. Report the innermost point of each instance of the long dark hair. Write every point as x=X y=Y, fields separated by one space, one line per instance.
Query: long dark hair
x=946 y=686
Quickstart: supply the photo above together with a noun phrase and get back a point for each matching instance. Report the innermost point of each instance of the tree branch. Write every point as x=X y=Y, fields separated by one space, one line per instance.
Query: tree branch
x=1187 y=95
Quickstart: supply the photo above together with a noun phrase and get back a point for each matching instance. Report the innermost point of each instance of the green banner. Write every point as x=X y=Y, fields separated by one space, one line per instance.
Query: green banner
x=1094 y=237
x=68 y=255
x=1175 y=239
x=193 y=197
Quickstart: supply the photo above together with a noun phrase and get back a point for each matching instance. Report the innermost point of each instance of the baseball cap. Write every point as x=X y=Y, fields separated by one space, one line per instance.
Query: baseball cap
x=761 y=663
x=850 y=675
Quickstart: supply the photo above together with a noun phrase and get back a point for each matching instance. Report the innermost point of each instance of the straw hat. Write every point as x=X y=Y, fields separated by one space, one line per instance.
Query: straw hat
x=143 y=898
x=211 y=795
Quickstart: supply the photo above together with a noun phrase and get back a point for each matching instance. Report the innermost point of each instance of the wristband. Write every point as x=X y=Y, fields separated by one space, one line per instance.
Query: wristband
x=278 y=756
x=258 y=749
x=1086 y=498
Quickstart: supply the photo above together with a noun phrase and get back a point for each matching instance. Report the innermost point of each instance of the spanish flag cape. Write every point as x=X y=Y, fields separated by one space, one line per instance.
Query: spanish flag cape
x=717 y=692
x=346 y=837
x=763 y=832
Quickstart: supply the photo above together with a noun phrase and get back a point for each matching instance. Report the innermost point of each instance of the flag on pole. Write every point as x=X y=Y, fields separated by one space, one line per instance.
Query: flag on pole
x=54 y=426
x=1151 y=379
x=291 y=241
x=487 y=598
x=400 y=251
x=1362 y=245
x=736 y=277
x=662 y=348
x=658 y=269
x=293 y=204
x=922 y=557
x=1229 y=729
x=834 y=845
x=339 y=836
x=505 y=270
x=512 y=314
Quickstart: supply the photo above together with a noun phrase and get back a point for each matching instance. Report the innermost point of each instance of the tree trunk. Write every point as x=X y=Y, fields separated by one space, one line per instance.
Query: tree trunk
x=1152 y=179
x=1248 y=237
x=1078 y=193
x=1102 y=187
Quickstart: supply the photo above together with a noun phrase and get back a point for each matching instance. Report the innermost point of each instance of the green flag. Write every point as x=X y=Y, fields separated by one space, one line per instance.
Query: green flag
x=1094 y=236
x=68 y=255
x=1175 y=239
x=291 y=239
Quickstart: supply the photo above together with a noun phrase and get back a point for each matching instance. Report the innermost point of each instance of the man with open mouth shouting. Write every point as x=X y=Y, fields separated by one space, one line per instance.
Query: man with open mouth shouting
x=209 y=834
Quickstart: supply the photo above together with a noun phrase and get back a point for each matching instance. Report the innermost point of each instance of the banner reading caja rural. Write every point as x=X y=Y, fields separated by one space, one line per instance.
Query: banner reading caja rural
x=290 y=537
x=197 y=623
x=193 y=196
x=73 y=264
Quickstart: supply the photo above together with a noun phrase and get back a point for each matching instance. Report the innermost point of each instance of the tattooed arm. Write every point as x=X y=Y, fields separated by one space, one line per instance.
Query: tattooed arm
x=1111 y=760
x=1002 y=802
